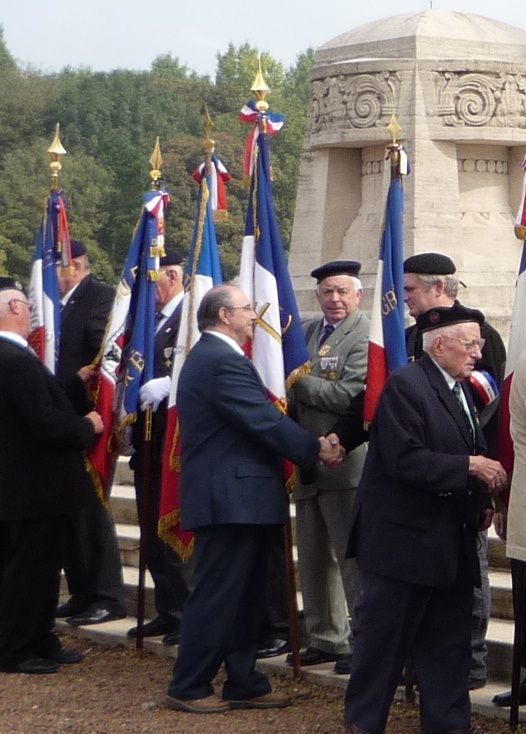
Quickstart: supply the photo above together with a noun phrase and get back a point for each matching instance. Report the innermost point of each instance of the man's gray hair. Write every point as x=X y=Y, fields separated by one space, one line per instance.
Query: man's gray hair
x=213 y=301
x=355 y=281
x=450 y=282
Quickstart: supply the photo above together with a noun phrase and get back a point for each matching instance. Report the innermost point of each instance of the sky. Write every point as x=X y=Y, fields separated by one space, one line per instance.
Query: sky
x=109 y=34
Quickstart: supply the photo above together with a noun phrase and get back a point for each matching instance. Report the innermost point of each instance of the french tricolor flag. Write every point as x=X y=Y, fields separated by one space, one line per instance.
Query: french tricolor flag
x=387 y=349
x=52 y=246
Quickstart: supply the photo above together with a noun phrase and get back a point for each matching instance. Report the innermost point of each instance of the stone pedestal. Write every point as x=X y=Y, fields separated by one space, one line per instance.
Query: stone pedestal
x=457 y=84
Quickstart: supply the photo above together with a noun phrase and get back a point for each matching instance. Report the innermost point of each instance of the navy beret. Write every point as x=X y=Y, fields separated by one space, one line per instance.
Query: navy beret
x=429 y=263
x=78 y=248
x=447 y=316
x=10 y=284
x=337 y=267
x=171 y=257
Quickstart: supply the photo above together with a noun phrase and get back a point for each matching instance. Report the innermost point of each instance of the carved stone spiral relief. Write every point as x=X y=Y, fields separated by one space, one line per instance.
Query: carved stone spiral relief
x=354 y=101
x=474 y=100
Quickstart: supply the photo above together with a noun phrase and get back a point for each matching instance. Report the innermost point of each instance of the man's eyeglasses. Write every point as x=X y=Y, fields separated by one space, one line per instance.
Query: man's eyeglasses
x=469 y=345
x=248 y=307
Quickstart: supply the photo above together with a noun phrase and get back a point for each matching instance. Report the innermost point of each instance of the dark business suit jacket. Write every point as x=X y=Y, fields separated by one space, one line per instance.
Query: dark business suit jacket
x=417 y=509
x=42 y=470
x=82 y=325
x=232 y=441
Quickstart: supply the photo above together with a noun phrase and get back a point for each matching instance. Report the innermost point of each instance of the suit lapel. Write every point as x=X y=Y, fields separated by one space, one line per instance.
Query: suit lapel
x=447 y=398
x=334 y=339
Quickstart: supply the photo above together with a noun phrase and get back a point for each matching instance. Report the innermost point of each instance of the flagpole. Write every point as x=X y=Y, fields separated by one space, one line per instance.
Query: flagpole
x=261 y=90
x=394 y=154
x=156 y=161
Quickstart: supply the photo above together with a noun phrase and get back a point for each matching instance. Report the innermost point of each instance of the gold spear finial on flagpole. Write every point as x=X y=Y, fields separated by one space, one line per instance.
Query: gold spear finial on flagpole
x=394 y=130
x=260 y=89
x=156 y=161
x=56 y=152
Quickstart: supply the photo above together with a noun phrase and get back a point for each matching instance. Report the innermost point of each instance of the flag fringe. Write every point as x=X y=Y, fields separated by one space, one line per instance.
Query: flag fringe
x=297 y=374
x=97 y=484
x=165 y=532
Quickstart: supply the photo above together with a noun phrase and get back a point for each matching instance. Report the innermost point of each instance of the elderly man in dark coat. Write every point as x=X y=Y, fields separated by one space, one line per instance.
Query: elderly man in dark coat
x=414 y=529
x=43 y=484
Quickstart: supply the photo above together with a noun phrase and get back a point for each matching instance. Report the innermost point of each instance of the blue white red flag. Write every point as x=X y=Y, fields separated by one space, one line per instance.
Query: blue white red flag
x=268 y=122
x=217 y=178
x=387 y=348
x=126 y=356
x=517 y=341
x=279 y=351
x=202 y=272
x=52 y=246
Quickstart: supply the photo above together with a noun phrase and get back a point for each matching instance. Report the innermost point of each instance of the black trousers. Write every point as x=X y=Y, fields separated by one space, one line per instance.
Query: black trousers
x=92 y=562
x=395 y=619
x=32 y=553
x=223 y=614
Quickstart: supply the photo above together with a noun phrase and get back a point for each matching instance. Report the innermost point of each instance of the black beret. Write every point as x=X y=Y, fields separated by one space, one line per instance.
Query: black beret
x=78 y=248
x=10 y=284
x=447 y=316
x=337 y=267
x=171 y=257
x=429 y=263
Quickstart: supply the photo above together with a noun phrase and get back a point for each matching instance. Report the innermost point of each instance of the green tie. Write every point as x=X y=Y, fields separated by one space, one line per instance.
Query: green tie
x=457 y=390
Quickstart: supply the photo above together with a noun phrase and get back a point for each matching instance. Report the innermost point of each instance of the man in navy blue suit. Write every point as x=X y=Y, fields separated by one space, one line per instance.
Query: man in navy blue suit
x=233 y=496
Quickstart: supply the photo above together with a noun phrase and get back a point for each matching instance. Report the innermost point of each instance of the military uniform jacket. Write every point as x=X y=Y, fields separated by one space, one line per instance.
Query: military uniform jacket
x=417 y=510
x=320 y=398
x=42 y=470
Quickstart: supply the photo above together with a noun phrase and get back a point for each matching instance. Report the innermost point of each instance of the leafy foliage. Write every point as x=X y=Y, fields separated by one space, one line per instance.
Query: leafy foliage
x=109 y=123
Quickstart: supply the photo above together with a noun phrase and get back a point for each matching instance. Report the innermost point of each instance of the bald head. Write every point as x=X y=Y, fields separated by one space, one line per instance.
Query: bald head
x=14 y=312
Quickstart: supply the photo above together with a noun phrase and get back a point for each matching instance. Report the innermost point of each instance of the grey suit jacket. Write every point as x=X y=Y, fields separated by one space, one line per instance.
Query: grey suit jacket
x=321 y=397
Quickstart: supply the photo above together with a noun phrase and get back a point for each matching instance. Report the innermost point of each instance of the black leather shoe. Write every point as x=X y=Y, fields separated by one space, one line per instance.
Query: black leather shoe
x=172 y=638
x=71 y=607
x=36 y=666
x=271 y=648
x=65 y=656
x=94 y=615
x=156 y=626
x=313 y=656
x=504 y=699
x=343 y=666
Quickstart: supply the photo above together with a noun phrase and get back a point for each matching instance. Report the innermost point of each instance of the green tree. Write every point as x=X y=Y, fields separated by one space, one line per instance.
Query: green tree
x=24 y=187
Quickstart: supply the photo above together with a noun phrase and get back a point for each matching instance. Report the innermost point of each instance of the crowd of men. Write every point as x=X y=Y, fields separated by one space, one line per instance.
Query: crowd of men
x=392 y=519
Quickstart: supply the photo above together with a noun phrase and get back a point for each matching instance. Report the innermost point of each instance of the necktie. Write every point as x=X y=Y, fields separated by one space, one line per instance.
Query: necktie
x=327 y=331
x=457 y=391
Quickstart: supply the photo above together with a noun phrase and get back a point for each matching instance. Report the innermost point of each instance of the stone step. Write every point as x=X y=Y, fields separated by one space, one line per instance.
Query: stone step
x=500 y=632
x=114 y=633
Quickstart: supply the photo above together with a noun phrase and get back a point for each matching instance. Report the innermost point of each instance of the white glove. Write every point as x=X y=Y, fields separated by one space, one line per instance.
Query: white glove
x=153 y=392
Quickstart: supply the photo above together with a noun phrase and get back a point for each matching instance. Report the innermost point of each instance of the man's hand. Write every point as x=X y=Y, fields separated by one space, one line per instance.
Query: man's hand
x=331 y=451
x=96 y=419
x=491 y=472
x=153 y=392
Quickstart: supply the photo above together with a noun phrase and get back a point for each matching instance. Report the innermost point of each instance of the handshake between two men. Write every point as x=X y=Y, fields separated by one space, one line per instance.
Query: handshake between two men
x=332 y=452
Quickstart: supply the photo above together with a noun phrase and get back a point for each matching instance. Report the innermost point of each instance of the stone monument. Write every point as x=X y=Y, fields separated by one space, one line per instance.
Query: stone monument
x=457 y=84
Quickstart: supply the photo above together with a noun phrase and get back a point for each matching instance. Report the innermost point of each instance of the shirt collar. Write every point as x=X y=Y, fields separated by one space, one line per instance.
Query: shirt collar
x=12 y=337
x=228 y=340
x=447 y=377
x=168 y=309
x=65 y=298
